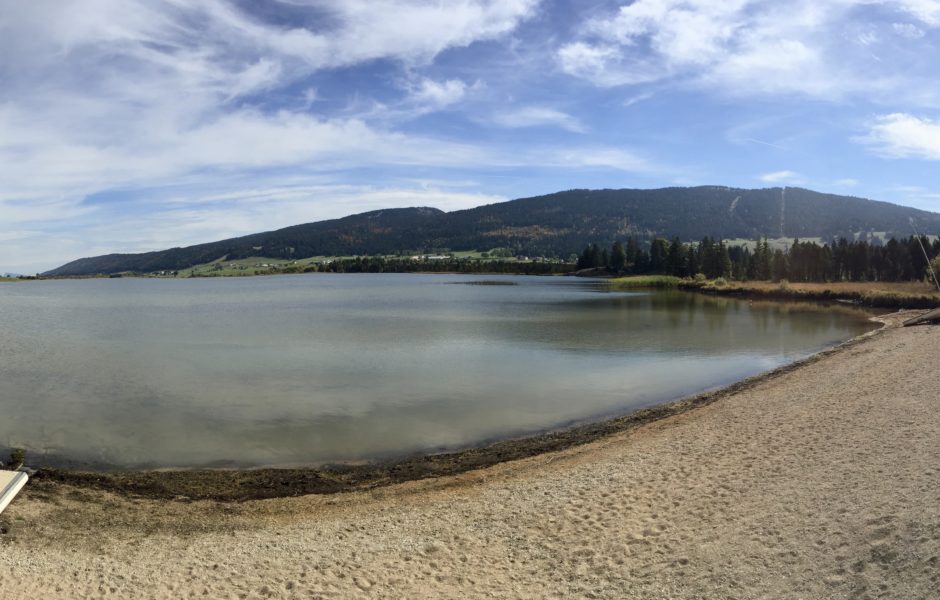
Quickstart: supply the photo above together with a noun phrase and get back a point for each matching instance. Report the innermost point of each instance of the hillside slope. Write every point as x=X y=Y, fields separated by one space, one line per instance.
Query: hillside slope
x=552 y=225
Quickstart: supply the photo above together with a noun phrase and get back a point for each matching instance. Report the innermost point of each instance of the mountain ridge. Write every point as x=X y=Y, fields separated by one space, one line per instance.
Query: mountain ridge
x=556 y=224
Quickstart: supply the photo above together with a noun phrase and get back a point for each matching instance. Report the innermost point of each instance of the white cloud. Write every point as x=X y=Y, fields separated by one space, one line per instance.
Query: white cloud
x=928 y=11
x=108 y=93
x=359 y=30
x=600 y=157
x=687 y=32
x=48 y=162
x=438 y=94
x=784 y=176
x=537 y=116
x=133 y=95
x=602 y=65
x=900 y=135
x=774 y=66
x=823 y=49
x=411 y=30
x=114 y=75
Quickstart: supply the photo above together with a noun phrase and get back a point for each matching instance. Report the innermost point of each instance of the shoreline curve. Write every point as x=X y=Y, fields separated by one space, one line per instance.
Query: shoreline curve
x=235 y=485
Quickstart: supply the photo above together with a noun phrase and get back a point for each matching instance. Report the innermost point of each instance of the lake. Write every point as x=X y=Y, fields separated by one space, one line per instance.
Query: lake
x=309 y=369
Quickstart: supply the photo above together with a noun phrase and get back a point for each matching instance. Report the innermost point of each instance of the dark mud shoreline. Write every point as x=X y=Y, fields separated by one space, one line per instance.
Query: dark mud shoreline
x=253 y=484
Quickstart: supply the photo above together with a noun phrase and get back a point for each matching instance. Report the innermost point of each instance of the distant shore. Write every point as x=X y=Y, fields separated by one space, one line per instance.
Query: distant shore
x=880 y=294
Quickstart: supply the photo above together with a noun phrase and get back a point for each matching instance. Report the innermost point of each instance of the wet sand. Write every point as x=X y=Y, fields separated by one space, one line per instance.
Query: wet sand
x=820 y=481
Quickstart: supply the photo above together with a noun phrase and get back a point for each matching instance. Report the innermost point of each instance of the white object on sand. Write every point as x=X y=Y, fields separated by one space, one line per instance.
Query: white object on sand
x=11 y=482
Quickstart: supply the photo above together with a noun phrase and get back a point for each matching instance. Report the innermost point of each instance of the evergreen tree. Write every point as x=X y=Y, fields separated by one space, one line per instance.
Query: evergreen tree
x=676 y=259
x=596 y=260
x=856 y=260
x=692 y=263
x=584 y=261
x=618 y=257
x=659 y=249
x=763 y=261
x=778 y=267
x=642 y=265
x=723 y=260
x=631 y=251
x=711 y=263
x=740 y=256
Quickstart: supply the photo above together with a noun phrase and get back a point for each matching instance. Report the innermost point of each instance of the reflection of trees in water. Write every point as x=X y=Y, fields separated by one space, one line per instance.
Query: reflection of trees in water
x=804 y=317
x=680 y=321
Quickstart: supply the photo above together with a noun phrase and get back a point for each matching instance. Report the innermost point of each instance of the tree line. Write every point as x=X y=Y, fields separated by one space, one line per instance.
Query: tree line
x=378 y=264
x=839 y=260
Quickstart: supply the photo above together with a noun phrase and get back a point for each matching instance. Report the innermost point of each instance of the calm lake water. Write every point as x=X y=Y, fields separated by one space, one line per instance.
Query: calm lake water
x=307 y=369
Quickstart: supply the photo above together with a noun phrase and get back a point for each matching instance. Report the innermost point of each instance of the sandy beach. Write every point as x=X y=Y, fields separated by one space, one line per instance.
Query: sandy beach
x=817 y=482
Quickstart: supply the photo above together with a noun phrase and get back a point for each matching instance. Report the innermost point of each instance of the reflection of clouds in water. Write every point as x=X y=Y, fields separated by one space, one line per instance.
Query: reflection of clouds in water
x=302 y=369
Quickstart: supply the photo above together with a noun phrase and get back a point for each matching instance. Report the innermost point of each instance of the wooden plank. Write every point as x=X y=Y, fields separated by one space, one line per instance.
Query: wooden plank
x=11 y=482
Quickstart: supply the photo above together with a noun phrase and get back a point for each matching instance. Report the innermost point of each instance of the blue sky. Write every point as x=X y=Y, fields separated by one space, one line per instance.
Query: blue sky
x=134 y=125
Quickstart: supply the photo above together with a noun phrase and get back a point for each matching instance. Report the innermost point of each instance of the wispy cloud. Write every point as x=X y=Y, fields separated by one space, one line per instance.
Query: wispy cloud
x=187 y=121
x=537 y=116
x=133 y=94
x=900 y=135
x=636 y=99
x=784 y=176
x=908 y=30
x=603 y=64
x=600 y=157
x=747 y=47
x=763 y=143
x=928 y=11
x=53 y=162
x=188 y=217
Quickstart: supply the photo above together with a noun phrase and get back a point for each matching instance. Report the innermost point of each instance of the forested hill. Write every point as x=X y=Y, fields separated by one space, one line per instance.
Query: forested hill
x=553 y=225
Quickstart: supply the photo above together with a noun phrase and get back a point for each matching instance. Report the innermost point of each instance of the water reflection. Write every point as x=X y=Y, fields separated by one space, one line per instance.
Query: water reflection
x=673 y=320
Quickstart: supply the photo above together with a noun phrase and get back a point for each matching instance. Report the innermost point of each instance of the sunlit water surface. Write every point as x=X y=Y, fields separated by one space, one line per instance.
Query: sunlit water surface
x=307 y=369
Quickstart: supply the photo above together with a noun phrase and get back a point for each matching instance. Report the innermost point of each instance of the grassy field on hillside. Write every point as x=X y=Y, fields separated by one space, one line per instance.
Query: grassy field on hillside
x=253 y=265
x=259 y=265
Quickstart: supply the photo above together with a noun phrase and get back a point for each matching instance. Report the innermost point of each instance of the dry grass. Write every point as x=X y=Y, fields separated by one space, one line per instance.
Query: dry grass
x=847 y=287
x=644 y=281
x=910 y=294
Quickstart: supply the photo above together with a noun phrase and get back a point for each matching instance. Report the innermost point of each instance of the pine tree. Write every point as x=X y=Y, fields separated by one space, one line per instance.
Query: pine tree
x=675 y=260
x=618 y=257
x=659 y=249
x=778 y=265
x=723 y=260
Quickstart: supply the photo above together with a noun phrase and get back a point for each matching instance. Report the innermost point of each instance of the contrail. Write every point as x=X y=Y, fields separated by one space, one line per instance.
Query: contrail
x=764 y=143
